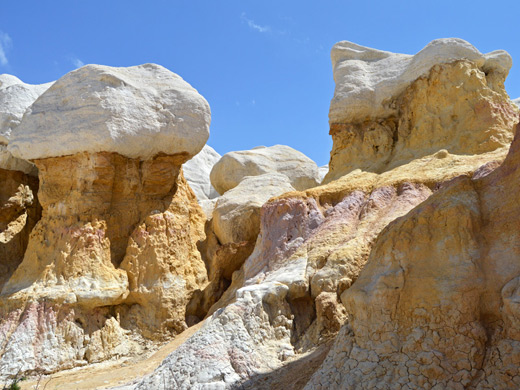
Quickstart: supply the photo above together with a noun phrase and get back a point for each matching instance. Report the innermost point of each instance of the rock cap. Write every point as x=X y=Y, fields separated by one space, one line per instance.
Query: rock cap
x=366 y=79
x=138 y=112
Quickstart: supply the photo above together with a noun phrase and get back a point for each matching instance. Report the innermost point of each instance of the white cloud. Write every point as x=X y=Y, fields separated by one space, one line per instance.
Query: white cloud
x=77 y=62
x=252 y=25
x=5 y=44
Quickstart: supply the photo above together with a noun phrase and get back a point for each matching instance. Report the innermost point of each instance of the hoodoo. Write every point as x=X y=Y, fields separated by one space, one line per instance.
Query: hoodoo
x=113 y=261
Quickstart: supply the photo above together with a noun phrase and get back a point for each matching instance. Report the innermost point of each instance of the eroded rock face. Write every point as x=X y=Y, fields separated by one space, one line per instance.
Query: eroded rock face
x=233 y=167
x=112 y=264
x=433 y=307
x=19 y=212
x=448 y=96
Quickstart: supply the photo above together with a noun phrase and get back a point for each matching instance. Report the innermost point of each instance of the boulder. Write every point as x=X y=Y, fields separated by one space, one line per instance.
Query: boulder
x=236 y=217
x=368 y=79
x=233 y=167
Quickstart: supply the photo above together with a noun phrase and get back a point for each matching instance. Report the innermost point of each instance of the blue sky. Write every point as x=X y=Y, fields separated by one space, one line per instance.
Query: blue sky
x=264 y=66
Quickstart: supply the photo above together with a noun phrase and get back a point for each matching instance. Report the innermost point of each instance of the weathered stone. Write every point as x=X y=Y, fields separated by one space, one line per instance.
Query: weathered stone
x=313 y=244
x=15 y=98
x=236 y=217
x=113 y=263
x=435 y=297
x=138 y=112
x=233 y=167
x=197 y=170
x=459 y=106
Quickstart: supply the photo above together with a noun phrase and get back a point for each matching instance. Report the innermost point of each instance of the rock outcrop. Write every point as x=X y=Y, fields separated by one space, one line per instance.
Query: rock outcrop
x=435 y=306
x=313 y=244
x=389 y=109
x=113 y=262
x=246 y=179
x=399 y=271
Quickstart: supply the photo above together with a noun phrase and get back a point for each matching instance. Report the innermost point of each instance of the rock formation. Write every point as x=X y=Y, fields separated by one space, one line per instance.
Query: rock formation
x=234 y=166
x=399 y=271
x=114 y=256
x=436 y=305
x=246 y=179
x=444 y=113
x=517 y=101
x=389 y=109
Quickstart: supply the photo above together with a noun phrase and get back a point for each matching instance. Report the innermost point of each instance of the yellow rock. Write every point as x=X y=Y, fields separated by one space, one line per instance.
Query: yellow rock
x=456 y=107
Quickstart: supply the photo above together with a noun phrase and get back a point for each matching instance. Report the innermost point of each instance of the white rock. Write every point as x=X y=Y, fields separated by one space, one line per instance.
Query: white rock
x=366 y=79
x=517 y=102
x=196 y=171
x=7 y=161
x=15 y=97
x=233 y=167
x=138 y=112
x=323 y=170
x=236 y=216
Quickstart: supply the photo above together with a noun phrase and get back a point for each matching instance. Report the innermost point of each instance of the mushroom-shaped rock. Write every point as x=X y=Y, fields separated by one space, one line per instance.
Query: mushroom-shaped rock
x=389 y=109
x=234 y=166
x=138 y=112
x=236 y=217
x=15 y=97
x=120 y=225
